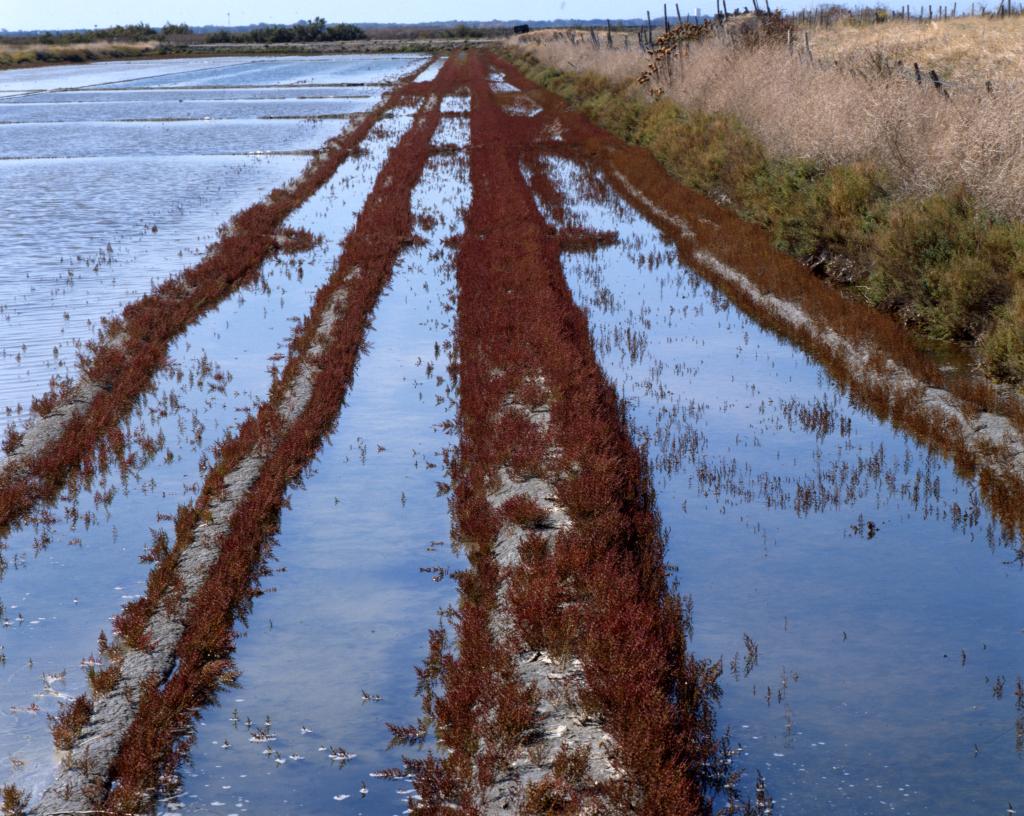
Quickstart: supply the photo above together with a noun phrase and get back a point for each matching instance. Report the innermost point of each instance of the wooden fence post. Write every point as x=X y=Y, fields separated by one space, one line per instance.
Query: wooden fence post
x=610 y=43
x=664 y=11
x=807 y=45
x=679 y=17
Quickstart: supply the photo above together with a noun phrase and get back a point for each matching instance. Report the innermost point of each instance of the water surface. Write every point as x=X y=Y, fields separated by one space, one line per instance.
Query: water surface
x=76 y=563
x=364 y=558
x=110 y=190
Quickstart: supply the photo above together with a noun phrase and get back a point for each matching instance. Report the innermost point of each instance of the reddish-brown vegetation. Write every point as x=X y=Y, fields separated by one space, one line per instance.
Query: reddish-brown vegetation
x=68 y=723
x=601 y=593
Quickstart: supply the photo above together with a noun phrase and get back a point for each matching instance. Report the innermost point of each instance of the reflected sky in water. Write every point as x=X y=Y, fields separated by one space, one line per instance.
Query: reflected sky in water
x=74 y=566
x=359 y=552
x=100 y=206
x=885 y=627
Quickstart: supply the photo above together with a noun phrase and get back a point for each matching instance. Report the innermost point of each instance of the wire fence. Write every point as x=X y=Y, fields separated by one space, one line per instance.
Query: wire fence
x=666 y=40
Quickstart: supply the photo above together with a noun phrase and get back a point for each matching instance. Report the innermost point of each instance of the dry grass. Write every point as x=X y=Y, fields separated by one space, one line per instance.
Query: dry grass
x=833 y=115
x=22 y=56
x=964 y=49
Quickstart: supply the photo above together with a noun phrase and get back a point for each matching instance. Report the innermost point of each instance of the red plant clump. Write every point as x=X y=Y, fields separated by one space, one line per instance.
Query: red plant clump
x=159 y=735
x=133 y=346
x=582 y=239
x=601 y=592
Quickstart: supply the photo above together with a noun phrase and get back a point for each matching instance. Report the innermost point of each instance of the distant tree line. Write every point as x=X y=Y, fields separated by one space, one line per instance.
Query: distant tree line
x=461 y=31
x=139 y=32
x=315 y=30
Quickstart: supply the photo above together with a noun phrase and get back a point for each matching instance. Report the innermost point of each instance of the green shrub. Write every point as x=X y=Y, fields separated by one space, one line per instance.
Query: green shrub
x=810 y=211
x=709 y=152
x=1003 y=347
x=944 y=266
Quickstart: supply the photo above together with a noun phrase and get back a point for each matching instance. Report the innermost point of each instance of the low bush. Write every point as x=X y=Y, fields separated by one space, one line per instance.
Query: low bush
x=944 y=265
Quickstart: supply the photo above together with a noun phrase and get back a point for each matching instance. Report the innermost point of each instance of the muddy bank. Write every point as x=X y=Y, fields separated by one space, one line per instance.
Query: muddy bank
x=173 y=646
x=76 y=416
x=980 y=427
x=565 y=681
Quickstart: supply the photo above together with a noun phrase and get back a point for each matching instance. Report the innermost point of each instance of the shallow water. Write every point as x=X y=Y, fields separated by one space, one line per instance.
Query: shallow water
x=882 y=608
x=96 y=212
x=53 y=77
x=359 y=552
x=162 y=138
x=77 y=563
x=130 y=106
x=355 y=69
x=162 y=96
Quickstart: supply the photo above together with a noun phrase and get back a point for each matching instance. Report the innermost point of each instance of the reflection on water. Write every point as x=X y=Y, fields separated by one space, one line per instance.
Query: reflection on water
x=861 y=598
x=75 y=564
x=362 y=556
x=354 y=69
x=144 y=139
x=127 y=106
x=53 y=77
x=84 y=236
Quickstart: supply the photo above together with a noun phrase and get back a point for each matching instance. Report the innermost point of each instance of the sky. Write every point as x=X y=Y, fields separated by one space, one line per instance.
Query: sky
x=63 y=14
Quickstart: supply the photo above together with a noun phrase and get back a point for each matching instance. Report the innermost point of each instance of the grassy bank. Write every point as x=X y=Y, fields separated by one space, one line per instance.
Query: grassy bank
x=31 y=55
x=929 y=245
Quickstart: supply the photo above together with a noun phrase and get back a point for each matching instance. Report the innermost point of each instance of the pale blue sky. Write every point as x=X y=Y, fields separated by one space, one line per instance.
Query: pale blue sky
x=58 y=14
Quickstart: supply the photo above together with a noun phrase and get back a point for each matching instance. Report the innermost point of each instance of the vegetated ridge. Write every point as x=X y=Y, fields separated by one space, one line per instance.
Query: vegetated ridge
x=565 y=683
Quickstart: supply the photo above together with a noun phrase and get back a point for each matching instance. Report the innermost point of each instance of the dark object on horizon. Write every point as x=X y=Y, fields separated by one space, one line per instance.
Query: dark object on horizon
x=521 y=29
